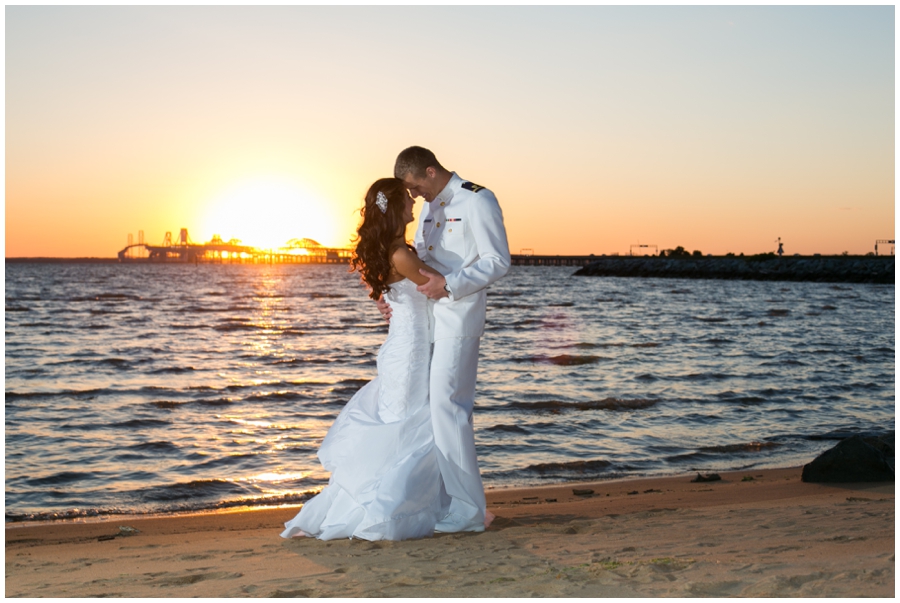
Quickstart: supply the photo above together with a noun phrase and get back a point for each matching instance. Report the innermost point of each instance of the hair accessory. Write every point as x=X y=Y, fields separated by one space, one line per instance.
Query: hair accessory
x=381 y=202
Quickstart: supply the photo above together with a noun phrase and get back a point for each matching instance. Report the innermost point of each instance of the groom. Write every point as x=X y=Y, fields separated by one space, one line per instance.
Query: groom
x=461 y=235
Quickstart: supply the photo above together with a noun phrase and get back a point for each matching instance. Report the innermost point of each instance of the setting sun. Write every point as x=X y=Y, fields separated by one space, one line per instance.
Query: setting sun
x=267 y=213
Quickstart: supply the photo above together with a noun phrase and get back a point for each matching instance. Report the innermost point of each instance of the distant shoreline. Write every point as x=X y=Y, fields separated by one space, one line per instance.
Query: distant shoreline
x=816 y=268
x=822 y=269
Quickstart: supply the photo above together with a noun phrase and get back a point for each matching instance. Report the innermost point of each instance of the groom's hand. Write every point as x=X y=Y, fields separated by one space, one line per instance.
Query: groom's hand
x=434 y=288
x=384 y=308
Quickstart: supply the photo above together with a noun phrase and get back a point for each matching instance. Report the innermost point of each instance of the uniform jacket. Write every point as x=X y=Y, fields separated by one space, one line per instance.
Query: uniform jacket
x=461 y=235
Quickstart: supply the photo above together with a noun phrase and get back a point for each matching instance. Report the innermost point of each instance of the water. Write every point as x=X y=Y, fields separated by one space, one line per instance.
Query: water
x=165 y=388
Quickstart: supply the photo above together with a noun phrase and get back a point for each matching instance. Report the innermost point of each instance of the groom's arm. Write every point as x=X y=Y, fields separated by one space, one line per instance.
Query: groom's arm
x=486 y=226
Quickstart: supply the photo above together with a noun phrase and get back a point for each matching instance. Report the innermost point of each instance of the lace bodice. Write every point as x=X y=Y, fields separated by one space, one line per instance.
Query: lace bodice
x=404 y=358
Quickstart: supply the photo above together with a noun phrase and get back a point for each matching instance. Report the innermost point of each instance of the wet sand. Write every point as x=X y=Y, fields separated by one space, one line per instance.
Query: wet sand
x=754 y=533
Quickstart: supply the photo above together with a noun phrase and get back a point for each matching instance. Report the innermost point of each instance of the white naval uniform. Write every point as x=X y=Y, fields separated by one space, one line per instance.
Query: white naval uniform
x=461 y=235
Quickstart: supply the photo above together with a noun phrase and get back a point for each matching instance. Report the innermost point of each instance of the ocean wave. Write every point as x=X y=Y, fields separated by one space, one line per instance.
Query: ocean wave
x=344 y=393
x=579 y=467
x=563 y=359
x=161 y=446
x=251 y=500
x=203 y=309
x=173 y=404
x=134 y=423
x=104 y=297
x=286 y=361
x=56 y=479
x=167 y=404
x=74 y=393
x=279 y=395
x=508 y=429
x=215 y=401
x=201 y=488
x=583 y=345
x=730 y=396
x=785 y=362
x=738 y=448
x=172 y=370
x=611 y=404
x=705 y=377
x=230 y=327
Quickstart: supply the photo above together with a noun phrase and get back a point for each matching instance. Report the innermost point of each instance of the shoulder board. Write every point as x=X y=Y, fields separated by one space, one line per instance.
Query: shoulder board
x=471 y=186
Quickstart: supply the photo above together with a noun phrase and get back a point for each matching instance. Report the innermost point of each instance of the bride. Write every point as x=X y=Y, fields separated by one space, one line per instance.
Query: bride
x=385 y=482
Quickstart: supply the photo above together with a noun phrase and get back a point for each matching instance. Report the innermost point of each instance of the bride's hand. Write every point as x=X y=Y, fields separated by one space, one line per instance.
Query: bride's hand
x=435 y=286
x=384 y=308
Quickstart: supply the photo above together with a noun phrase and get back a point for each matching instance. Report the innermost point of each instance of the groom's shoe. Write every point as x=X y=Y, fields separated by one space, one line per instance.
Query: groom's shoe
x=454 y=523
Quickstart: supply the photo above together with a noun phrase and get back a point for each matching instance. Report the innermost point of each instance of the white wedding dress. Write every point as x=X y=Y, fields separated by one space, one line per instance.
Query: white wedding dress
x=385 y=482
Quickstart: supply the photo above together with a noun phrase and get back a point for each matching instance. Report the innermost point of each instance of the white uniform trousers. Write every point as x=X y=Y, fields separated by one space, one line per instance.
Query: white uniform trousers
x=454 y=364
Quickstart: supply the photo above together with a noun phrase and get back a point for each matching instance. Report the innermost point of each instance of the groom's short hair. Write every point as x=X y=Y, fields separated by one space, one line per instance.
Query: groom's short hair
x=413 y=161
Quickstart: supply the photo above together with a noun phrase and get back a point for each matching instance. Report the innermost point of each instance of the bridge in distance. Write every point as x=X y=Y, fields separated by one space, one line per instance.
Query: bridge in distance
x=296 y=251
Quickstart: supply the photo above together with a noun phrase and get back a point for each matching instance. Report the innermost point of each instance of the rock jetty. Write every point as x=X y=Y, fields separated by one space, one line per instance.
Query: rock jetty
x=822 y=269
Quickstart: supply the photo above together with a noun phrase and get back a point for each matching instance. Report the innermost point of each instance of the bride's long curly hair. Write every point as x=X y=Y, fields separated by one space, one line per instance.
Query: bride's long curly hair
x=377 y=234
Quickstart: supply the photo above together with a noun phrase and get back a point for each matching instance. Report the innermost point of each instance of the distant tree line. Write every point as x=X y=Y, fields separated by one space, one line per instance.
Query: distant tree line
x=680 y=252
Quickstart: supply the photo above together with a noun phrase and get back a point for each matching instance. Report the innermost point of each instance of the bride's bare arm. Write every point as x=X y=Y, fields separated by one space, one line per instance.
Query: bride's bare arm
x=408 y=264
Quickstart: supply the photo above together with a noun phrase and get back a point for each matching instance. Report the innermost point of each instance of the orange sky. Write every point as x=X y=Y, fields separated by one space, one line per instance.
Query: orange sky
x=714 y=128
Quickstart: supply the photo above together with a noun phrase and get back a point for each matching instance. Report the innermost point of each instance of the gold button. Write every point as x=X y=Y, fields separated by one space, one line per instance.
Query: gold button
x=430 y=247
x=449 y=230
x=442 y=204
x=438 y=224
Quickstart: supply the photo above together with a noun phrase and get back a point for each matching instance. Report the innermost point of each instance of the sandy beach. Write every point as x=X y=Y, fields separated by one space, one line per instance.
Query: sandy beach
x=754 y=533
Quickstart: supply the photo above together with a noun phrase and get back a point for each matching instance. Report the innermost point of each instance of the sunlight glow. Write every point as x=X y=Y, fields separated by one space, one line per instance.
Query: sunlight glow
x=266 y=212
